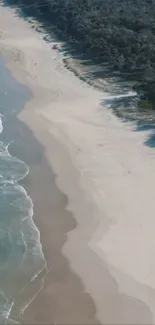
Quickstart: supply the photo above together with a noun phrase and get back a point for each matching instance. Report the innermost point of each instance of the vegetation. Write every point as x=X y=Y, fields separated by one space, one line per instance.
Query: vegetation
x=119 y=32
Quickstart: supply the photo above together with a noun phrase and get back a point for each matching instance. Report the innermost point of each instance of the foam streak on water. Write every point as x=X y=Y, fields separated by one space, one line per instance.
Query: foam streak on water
x=21 y=256
x=1 y=126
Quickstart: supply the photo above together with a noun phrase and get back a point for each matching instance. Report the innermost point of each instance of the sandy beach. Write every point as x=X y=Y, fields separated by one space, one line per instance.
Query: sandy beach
x=92 y=182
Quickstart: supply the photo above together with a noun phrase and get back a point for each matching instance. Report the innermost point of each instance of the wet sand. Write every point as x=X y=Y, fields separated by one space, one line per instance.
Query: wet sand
x=63 y=299
x=74 y=186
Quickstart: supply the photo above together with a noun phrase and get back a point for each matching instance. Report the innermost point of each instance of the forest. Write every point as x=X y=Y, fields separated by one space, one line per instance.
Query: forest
x=118 y=32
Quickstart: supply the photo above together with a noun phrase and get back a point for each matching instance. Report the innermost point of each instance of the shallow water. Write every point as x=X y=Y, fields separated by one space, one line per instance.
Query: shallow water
x=21 y=256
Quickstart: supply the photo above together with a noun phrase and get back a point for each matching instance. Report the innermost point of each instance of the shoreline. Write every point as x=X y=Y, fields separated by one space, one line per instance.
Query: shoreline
x=80 y=306
x=68 y=302
x=89 y=177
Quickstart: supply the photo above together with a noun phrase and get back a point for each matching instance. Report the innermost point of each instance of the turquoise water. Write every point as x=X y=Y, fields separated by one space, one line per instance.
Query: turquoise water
x=21 y=256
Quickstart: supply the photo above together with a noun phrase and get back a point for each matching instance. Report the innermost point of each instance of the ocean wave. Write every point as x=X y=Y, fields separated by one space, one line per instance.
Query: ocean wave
x=20 y=247
x=12 y=169
x=120 y=96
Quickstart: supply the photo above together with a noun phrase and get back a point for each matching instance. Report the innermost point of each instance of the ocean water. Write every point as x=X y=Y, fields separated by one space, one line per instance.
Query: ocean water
x=21 y=255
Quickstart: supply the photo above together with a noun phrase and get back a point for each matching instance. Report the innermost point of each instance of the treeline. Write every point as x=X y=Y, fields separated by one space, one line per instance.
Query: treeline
x=120 y=32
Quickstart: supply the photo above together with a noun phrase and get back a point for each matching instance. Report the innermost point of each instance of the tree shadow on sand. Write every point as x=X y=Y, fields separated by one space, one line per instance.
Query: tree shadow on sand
x=127 y=110
x=90 y=70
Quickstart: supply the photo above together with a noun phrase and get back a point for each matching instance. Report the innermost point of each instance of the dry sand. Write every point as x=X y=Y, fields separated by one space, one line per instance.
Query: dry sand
x=108 y=177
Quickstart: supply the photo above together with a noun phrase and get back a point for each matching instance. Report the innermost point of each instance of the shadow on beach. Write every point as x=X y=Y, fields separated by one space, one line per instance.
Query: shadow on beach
x=91 y=71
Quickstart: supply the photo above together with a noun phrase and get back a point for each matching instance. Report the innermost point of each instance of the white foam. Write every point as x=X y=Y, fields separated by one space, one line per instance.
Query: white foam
x=6 y=309
x=41 y=287
x=1 y=125
x=128 y=94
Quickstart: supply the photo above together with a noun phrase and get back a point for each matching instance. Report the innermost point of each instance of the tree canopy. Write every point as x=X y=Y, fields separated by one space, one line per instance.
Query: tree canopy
x=119 y=32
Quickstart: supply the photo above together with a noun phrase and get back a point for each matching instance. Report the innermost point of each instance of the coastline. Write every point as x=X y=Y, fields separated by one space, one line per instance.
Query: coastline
x=63 y=298
x=61 y=106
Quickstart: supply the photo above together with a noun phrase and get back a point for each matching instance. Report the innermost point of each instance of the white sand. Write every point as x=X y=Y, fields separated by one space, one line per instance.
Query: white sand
x=111 y=188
